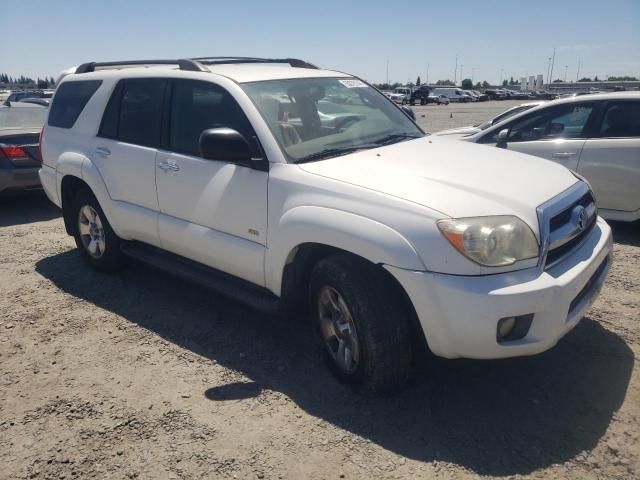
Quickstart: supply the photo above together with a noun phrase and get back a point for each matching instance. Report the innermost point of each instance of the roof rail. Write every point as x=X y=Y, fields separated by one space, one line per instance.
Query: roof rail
x=183 y=64
x=294 y=62
x=193 y=64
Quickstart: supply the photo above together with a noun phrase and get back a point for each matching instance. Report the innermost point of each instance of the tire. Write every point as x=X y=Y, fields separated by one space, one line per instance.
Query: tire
x=96 y=240
x=375 y=316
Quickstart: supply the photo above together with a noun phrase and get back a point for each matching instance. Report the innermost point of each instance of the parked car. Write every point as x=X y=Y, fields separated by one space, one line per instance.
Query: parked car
x=401 y=95
x=225 y=175
x=454 y=94
x=439 y=99
x=597 y=136
x=494 y=94
x=481 y=96
x=473 y=96
x=472 y=129
x=20 y=125
x=18 y=95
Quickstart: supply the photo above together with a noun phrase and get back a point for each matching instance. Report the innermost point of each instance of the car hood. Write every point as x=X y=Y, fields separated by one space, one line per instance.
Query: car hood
x=457 y=179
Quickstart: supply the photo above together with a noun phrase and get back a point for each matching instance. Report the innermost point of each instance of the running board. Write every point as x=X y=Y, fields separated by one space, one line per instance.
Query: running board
x=220 y=282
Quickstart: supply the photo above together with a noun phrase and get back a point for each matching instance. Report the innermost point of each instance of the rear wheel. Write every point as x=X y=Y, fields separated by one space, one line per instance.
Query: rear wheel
x=362 y=325
x=96 y=240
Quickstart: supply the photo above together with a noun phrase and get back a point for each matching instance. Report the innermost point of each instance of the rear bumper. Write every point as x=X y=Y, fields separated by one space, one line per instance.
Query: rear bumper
x=18 y=179
x=459 y=314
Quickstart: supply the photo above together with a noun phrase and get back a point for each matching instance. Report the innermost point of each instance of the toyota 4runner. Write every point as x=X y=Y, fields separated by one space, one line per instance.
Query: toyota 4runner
x=284 y=186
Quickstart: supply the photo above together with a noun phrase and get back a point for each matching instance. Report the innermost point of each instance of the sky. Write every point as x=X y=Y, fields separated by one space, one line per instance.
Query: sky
x=491 y=39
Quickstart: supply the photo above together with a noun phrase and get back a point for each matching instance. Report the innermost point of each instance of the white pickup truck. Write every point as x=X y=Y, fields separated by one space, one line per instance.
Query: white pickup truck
x=283 y=186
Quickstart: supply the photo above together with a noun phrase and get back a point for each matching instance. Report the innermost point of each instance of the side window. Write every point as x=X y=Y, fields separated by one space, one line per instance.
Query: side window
x=134 y=112
x=197 y=106
x=69 y=101
x=621 y=119
x=564 y=121
x=567 y=121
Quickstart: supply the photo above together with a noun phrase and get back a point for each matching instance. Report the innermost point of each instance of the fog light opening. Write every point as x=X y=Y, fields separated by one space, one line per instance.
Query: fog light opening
x=513 y=328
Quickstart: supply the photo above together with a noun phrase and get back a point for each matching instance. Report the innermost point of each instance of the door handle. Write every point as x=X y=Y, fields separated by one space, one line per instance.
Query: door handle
x=103 y=151
x=166 y=166
x=563 y=154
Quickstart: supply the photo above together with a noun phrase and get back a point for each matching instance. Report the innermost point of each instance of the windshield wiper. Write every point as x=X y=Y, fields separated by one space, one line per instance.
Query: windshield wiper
x=334 y=152
x=395 y=137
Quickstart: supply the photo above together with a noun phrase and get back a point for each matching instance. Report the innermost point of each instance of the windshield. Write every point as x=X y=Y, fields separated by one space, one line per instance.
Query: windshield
x=315 y=118
x=22 y=117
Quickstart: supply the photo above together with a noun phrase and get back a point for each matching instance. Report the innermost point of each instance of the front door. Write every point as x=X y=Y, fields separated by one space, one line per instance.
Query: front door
x=213 y=212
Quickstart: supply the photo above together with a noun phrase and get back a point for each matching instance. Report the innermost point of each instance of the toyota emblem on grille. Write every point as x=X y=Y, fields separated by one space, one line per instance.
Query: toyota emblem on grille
x=579 y=217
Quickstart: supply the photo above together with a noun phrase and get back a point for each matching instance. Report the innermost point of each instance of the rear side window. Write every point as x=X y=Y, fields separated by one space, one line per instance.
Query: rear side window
x=69 y=101
x=134 y=112
x=621 y=120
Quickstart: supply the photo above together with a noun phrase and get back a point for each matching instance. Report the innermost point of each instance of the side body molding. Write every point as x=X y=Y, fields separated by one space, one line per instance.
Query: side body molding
x=367 y=238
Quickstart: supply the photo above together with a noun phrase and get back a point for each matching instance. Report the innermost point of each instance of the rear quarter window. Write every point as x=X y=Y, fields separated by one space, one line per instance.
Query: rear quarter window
x=69 y=101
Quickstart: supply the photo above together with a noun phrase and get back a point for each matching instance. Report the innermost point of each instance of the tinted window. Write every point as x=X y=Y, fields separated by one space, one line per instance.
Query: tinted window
x=621 y=119
x=197 y=106
x=140 y=116
x=69 y=101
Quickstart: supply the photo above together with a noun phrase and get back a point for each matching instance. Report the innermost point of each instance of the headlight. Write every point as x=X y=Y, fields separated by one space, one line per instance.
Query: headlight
x=491 y=241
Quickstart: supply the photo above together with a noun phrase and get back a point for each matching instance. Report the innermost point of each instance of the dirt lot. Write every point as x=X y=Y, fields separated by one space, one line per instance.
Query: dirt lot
x=137 y=375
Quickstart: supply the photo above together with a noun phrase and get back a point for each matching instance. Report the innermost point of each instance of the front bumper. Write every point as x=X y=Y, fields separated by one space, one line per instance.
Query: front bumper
x=19 y=179
x=459 y=314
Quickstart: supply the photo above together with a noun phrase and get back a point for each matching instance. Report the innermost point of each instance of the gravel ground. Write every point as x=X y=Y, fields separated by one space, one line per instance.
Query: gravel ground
x=137 y=375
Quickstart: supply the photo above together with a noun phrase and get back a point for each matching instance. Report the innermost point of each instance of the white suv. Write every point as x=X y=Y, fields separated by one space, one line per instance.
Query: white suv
x=282 y=185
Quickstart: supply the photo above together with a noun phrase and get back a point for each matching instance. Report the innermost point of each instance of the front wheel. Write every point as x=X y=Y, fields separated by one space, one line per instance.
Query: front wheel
x=362 y=325
x=96 y=240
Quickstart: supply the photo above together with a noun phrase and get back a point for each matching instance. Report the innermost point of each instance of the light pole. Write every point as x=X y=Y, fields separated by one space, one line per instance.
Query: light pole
x=500 y=82
x=578 y=72
x=549 y=72
x=455 y=72
x=387 y=72
x=427 y=74
x=461 y=74
x=566 y=67
x=473 y=69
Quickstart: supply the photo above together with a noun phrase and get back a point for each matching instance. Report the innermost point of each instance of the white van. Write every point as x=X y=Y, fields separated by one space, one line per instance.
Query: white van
x=453 y=94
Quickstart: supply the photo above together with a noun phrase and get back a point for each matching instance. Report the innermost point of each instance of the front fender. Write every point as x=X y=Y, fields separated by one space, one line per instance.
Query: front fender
x=353 y=233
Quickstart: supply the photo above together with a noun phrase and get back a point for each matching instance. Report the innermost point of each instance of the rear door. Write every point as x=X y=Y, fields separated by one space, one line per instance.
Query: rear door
x=557 y=133
x=610 y=160
x=125 y=154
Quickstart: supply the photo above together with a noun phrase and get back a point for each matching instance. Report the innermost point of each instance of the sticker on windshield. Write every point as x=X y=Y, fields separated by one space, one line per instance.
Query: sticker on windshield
x=353 y=83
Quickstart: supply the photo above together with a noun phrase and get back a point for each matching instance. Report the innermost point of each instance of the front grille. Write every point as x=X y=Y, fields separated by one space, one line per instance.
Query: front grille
x=564 y=216
x=567 y=226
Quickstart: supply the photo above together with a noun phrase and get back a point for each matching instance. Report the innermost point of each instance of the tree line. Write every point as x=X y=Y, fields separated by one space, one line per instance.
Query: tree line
x=22 y=81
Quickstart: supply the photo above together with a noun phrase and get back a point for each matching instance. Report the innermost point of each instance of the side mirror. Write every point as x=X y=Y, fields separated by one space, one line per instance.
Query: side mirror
x=224 y=144
x=409 y=111
x=502 y=138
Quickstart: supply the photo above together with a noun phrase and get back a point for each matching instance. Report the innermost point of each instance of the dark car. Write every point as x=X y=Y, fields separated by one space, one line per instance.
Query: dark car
x=45 y=102
x=20 y=126
x=494 y=94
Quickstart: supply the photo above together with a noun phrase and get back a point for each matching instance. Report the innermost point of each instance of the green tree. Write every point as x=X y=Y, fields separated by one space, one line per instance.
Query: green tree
x=418 y=81
x=485 y=84
x=585 y=79
x=467 y=84
x=444 y=82
x=505 y=82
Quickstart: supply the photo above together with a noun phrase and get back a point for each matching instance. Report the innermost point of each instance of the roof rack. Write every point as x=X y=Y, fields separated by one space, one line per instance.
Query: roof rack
x=183 y=63
x=194 y=64
x=294 y=62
